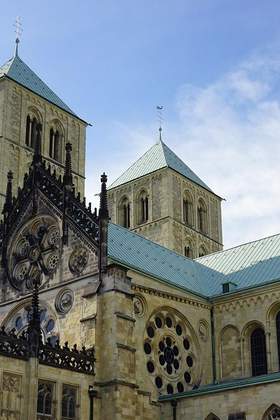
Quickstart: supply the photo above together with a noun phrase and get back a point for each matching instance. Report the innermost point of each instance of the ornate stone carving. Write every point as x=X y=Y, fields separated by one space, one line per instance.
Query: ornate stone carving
x=78 y=260
x=64 y=301
x=11 y=382
x=139 y=304
x=203 y=330
x=18 y=323
x=34 y=252
x=172 y=351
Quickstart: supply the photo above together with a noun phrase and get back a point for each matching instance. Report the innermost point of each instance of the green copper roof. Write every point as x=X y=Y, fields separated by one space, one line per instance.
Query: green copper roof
x=224 y=386
x=137 y=252
x=248 y=265
x=157 y=157
x=18 y=71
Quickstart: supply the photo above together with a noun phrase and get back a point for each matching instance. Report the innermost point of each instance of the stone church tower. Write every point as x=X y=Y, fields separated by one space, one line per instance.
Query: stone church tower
x=161 y=198
x=27 y=105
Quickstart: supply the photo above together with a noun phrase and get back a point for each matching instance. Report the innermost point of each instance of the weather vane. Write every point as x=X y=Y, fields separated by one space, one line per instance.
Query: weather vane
x=18 y=31
x=160 y=119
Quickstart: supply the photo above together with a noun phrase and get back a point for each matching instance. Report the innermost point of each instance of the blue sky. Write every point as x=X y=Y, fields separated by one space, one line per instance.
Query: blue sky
x=214 y=66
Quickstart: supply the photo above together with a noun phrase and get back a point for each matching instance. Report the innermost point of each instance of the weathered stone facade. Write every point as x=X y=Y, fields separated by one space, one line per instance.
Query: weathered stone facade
x=16 y=103
x=162 y=350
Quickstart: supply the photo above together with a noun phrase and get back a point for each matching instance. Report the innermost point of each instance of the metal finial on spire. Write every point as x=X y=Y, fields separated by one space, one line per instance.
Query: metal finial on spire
x=18 y=31
x=160 y=120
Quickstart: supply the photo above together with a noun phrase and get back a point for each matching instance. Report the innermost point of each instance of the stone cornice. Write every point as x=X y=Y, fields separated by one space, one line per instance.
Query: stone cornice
x=169 y=296
x=246 y=298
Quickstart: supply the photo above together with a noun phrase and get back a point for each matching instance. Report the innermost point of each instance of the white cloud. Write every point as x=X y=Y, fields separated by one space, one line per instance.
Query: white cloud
x=229 y=134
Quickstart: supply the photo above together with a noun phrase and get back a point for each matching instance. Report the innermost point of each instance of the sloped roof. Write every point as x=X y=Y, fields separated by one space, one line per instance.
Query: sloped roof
x=18 y=71
x=157 y=157
x=247 y=265
x=137 y=252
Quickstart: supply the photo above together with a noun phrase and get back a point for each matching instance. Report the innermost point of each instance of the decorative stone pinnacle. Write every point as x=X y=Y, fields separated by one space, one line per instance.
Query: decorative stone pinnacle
x=103 y=211
x=68 y=178
x=9 y=194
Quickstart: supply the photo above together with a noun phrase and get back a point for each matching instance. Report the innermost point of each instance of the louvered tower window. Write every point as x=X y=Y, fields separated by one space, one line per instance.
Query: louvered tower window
x=124 y=213
x=143 y=207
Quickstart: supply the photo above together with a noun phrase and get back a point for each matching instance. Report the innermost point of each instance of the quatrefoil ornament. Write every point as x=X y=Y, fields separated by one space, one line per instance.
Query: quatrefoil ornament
x=34 y=252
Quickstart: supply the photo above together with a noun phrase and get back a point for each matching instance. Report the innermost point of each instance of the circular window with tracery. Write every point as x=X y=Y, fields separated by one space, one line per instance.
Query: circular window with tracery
x=19 y=322
x=171 y=351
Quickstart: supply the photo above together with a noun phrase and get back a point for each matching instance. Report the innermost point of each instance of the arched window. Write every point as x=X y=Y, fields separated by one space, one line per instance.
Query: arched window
x=272 y=413
x=56 y=141
x=258 y=352
x=45 y=398
x=187 y=210
x=28 y=131
x=143 y=208
x=124 y=213
x=278 y=335
x=202 y=251
x=69 y=397
x=202 y=216
x=31 y=131
x=212 y=416
x=188 y=251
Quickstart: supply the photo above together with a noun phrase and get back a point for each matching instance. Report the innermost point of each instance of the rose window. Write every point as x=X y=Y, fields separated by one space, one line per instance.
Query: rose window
x=171 y=351
x=19 y=323
x=34 y=251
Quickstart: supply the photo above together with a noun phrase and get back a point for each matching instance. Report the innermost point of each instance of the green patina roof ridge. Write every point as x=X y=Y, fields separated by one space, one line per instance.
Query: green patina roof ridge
x=157 y=157
x=137 y=252
x=21 y=73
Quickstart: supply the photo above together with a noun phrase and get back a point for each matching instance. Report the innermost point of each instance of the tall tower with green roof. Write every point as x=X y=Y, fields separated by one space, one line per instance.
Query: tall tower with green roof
x=26 y=102
x=160 y=197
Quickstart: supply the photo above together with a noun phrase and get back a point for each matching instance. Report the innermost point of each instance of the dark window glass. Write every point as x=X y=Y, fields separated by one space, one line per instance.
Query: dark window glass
x=168 y=322
x=147 y=348
x=158 y=322
x=237 y=416
x=187 y=377
x=278 y=335
x=28 y=131
x=180 y=387
x=189 y=361
x=51 y=143
x=186 y=344
x=45 y=398
x=158 y=382
x=33 y=133
x=150 y=367
x=69 y=401
x=258 y=352
x=169 y=389
x=150 y=331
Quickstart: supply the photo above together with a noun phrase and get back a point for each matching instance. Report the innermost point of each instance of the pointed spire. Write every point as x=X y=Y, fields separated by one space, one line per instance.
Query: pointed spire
x=103 y=210
x=68 y=177
x=37 y=158
x=9 y=195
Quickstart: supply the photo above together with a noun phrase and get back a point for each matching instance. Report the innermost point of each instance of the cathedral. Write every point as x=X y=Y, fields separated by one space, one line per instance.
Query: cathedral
x=132 y=311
